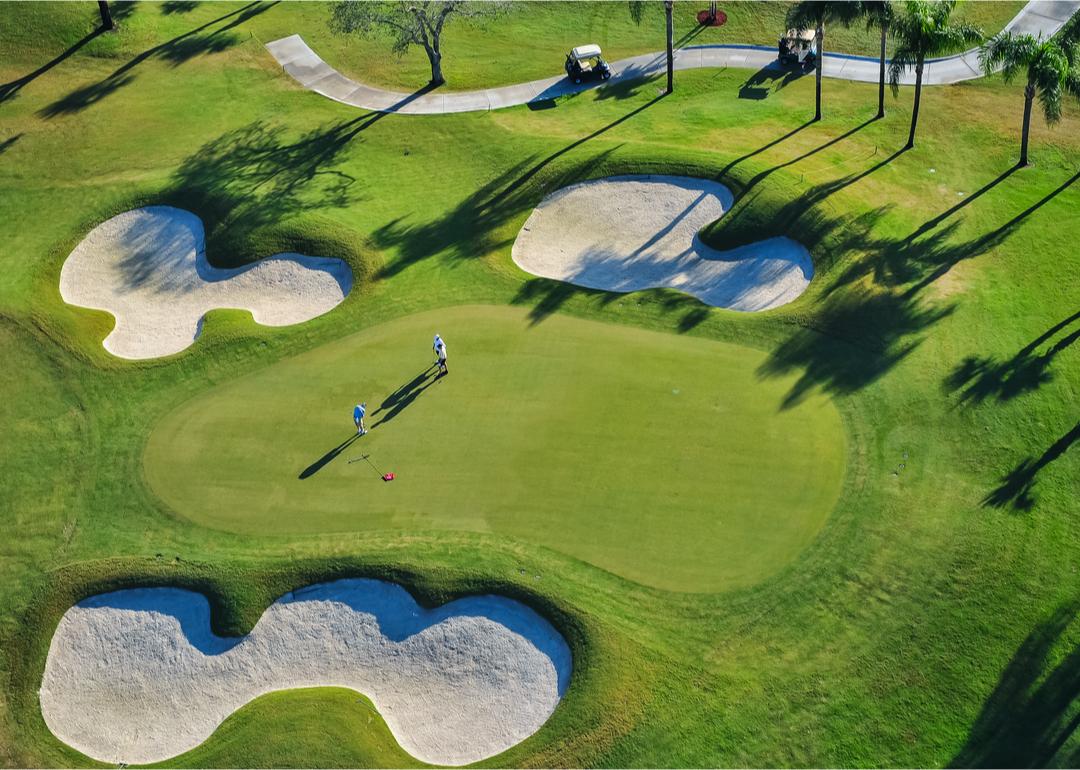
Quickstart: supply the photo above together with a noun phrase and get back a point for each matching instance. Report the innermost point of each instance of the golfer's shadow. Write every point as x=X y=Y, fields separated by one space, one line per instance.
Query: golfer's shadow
x=317 y=466
x=396 y=402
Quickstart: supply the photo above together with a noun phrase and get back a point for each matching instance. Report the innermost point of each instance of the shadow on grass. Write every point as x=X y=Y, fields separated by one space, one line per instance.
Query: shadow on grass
x=470 y=229
x=8 y=143
x=400 y=400
x=767 y=80
x=10 y=89
x=979 y=378
x=880 y=326
x=175 y=51
x=1033 y=711
x=259 y=176
x=327 y=458
x=1017 y=487
x=170 y=7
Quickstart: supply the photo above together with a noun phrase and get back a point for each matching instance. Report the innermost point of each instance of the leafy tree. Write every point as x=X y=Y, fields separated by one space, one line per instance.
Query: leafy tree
x=924 y=30
x=408 y=23
x=815 y=14
x=879 y=15
x=1052 y=68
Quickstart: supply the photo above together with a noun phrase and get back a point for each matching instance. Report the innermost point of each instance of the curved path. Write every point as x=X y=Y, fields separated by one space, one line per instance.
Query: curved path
x=1038 y=17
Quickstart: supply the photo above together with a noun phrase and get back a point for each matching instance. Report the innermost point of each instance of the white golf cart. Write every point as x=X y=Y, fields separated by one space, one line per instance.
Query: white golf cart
x=586 y=62
x=798 y=46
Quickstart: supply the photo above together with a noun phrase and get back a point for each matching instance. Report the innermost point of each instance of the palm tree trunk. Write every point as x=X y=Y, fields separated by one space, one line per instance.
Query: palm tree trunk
x=820 y=65
x=918 y=98
x=1029 y=97
x=106 y=15
x=881 y=73
x=668 y=4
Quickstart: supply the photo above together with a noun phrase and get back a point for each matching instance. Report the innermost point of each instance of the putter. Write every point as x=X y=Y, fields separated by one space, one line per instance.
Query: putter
x=367 y=458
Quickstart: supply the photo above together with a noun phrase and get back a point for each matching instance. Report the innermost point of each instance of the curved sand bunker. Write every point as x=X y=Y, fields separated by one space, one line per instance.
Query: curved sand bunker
x=137 y=676
x=630 y=233
x=148 y=268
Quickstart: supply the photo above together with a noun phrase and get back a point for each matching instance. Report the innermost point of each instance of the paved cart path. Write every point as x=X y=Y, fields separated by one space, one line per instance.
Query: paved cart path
x=295 y=56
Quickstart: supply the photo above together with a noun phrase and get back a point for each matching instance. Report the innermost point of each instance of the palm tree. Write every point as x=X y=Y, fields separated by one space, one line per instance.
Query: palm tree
x=924 y=30
x=637 y=11
x=668 y=5
x=1053 y=69
x=814 y=14
x=879 y=14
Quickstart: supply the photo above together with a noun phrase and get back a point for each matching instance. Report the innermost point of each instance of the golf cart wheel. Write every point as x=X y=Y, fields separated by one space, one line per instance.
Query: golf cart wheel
x=607 y=75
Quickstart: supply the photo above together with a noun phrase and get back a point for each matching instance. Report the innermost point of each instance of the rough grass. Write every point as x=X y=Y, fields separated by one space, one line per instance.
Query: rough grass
x=932 y=620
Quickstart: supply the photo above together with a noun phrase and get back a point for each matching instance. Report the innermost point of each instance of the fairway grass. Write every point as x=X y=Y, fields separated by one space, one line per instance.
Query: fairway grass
x=932 y=620
x=667 y=460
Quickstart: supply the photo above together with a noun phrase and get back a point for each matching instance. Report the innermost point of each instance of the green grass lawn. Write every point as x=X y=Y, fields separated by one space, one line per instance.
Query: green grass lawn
x=931 y=618
x=347 y=723
x=666 y=460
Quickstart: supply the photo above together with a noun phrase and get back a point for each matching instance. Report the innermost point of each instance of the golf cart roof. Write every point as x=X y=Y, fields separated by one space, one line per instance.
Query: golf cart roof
x=805 y=35
x=585 y=51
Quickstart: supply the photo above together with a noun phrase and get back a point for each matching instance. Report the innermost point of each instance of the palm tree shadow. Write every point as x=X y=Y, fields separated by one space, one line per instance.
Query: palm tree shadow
x=9 y=90
x=175 y=51
x=1017 y=487
x=1032 y=713
x=323 y=461
x=979 y=378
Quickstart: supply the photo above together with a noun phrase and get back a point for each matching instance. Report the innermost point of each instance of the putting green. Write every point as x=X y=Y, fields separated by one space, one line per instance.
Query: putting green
x=662 y=458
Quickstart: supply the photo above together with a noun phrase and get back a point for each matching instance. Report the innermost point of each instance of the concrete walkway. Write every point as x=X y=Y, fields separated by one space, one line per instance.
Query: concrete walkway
x=1038 y=17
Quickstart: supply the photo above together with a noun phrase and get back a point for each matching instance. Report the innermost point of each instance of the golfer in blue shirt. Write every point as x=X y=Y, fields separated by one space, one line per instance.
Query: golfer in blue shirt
x=358 y=413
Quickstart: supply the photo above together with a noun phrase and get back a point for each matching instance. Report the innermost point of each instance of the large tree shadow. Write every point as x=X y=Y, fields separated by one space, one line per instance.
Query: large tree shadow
x=175 y=51
x=1016 y=489
x=260 y=176
x=879 y=326
x=1032 y=713
x=472 y=227
x=979 y=378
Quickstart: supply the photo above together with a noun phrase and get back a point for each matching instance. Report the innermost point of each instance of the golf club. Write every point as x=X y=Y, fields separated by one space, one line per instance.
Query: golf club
x=367 y=458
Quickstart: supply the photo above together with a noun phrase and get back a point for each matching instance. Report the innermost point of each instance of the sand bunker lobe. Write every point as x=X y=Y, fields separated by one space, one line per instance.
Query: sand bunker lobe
x=629 y=233
x=136 y=676
x=148 y=268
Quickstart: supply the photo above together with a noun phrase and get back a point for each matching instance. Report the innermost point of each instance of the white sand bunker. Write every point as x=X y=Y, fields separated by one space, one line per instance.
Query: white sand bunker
x=148 y=268
x=137 y=676
x=640 y=232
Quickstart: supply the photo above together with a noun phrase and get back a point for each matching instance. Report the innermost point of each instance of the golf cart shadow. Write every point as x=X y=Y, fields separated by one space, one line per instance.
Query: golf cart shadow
x=772 y=77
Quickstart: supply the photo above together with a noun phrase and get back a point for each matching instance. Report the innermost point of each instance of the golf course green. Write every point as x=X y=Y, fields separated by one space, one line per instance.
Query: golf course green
x=667 y=460
x=842 y=532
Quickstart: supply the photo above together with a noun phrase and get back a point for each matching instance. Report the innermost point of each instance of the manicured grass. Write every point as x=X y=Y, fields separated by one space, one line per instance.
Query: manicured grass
x=666 y=460
x=931 y=621
x=488 y=53
x=270 y=728
x=528 y=41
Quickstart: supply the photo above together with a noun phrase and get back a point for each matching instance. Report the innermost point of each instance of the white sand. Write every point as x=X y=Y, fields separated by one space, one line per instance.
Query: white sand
x=148 y=268
x=630 y=233
x=137 y=676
